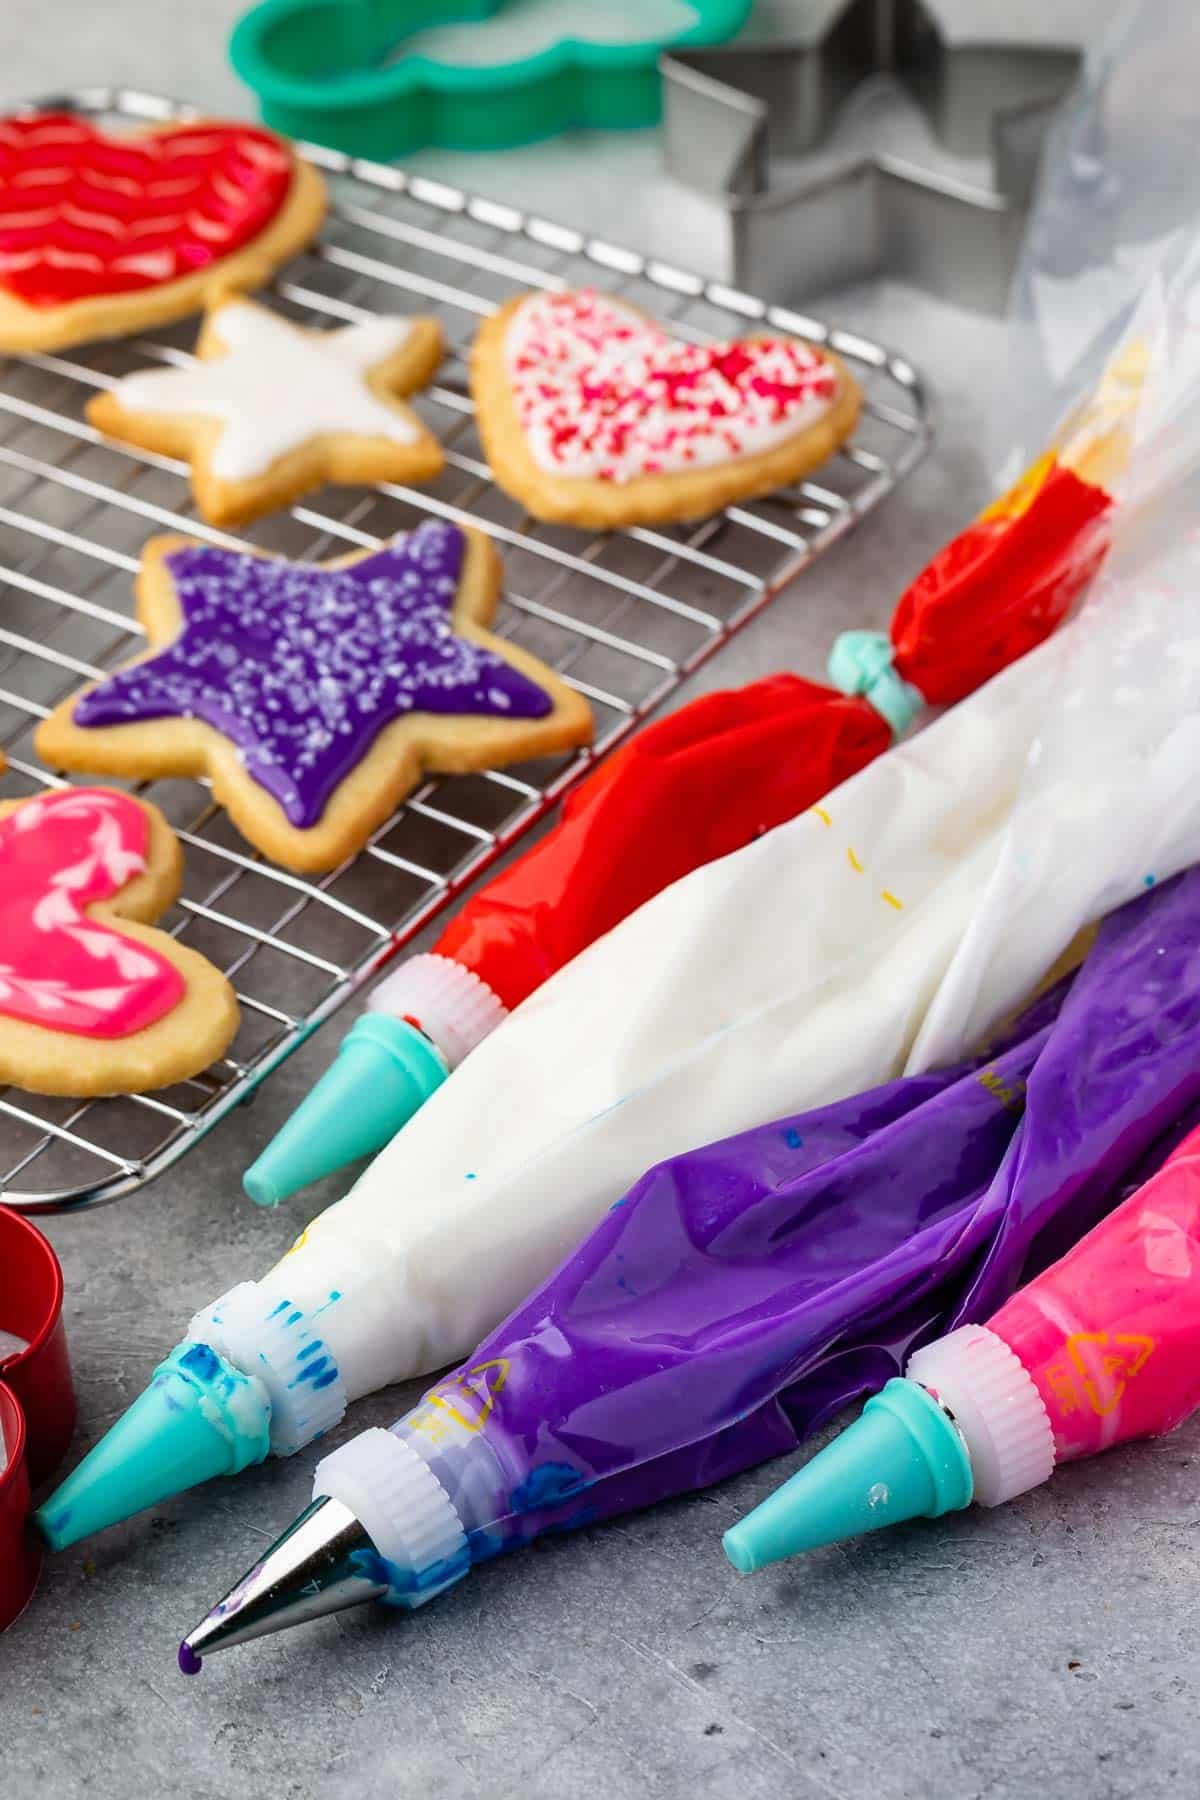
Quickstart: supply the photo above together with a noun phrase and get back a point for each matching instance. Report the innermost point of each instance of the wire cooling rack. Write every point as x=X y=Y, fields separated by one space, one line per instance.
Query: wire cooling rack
x=625 y=618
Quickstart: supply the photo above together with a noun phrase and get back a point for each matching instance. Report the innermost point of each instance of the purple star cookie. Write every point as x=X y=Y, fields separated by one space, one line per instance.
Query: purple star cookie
x=302 y=667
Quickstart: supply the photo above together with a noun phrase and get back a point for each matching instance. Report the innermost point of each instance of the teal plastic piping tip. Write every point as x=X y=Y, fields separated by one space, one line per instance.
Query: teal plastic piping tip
x=198 y=1418
x=383 y=1073
x=901 y=1459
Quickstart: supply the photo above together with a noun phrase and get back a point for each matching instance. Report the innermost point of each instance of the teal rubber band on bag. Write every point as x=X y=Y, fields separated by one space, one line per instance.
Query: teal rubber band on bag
x=861 y=662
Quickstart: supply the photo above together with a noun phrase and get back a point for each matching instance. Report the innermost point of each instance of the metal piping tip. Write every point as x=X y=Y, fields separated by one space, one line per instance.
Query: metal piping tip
x=324 y=1562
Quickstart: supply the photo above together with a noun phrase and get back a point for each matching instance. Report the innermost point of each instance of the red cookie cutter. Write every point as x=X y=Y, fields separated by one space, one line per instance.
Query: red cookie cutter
x=37 y=1398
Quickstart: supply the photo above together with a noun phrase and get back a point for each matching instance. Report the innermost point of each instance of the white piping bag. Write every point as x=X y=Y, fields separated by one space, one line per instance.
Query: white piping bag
x=889 y=928
x=797 y=970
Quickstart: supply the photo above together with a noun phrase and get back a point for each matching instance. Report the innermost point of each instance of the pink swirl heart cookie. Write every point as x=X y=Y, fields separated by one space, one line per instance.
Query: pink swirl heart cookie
x=93 y=1000
x=592 y=415
x=104 y=234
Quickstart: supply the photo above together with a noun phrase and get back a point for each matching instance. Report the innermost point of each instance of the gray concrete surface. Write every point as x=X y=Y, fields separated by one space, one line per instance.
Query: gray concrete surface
x=1046 y=1650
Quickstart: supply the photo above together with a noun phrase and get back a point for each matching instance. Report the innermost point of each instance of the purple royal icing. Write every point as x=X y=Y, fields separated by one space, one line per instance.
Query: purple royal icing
x=301 y=667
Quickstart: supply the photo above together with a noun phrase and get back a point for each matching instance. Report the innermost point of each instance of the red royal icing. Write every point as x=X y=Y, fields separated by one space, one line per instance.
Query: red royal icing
x=82 y=213
x=59 y=854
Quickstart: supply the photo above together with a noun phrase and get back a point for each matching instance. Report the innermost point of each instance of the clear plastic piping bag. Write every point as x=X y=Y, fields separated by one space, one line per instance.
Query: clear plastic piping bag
x=1114 y=213
x=1109 y=798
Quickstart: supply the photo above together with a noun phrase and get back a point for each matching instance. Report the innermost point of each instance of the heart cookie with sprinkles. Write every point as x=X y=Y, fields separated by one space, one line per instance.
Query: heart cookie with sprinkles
x=593 y=415
x=316 y=695
x=93 y=999
x=102 y=235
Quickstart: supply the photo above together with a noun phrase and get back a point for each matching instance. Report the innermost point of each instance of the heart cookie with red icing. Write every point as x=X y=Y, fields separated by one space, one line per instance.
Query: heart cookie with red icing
x=591 y=414
x=93 y=1000
x=102 y=235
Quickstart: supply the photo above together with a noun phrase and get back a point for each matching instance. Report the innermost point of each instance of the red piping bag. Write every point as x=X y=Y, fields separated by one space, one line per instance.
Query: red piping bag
x=697 y=785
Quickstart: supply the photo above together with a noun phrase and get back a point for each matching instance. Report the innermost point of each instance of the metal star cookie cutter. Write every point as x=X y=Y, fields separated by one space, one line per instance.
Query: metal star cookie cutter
x=919 y=155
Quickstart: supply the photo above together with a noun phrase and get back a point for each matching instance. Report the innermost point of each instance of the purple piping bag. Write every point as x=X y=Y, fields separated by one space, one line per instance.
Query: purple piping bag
x=741 y=1294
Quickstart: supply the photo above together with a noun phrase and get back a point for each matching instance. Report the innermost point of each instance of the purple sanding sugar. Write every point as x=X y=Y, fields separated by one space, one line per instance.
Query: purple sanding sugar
x=189 y=1662
x=301 y=667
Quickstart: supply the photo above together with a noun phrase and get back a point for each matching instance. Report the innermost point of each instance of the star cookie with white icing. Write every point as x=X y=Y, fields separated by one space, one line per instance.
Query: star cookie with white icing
x=268 y=411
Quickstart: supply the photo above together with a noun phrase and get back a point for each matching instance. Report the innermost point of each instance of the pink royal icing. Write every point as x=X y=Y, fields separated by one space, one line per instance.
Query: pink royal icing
x=59 y=854
x=603 y=393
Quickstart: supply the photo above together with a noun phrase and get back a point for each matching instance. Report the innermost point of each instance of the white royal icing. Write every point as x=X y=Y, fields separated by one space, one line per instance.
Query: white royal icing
x=277 y=387
x=603 y=393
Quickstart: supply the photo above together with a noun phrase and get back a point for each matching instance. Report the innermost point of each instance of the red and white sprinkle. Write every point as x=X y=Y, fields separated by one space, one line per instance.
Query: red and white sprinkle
x=603 y=393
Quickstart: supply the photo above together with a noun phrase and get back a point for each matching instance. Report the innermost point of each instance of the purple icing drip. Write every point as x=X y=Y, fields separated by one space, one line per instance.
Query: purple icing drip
x=189 y=1662
x=302 y=667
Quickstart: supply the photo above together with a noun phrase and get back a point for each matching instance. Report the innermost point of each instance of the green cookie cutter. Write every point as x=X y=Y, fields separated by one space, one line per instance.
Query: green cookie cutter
x=321 y=71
